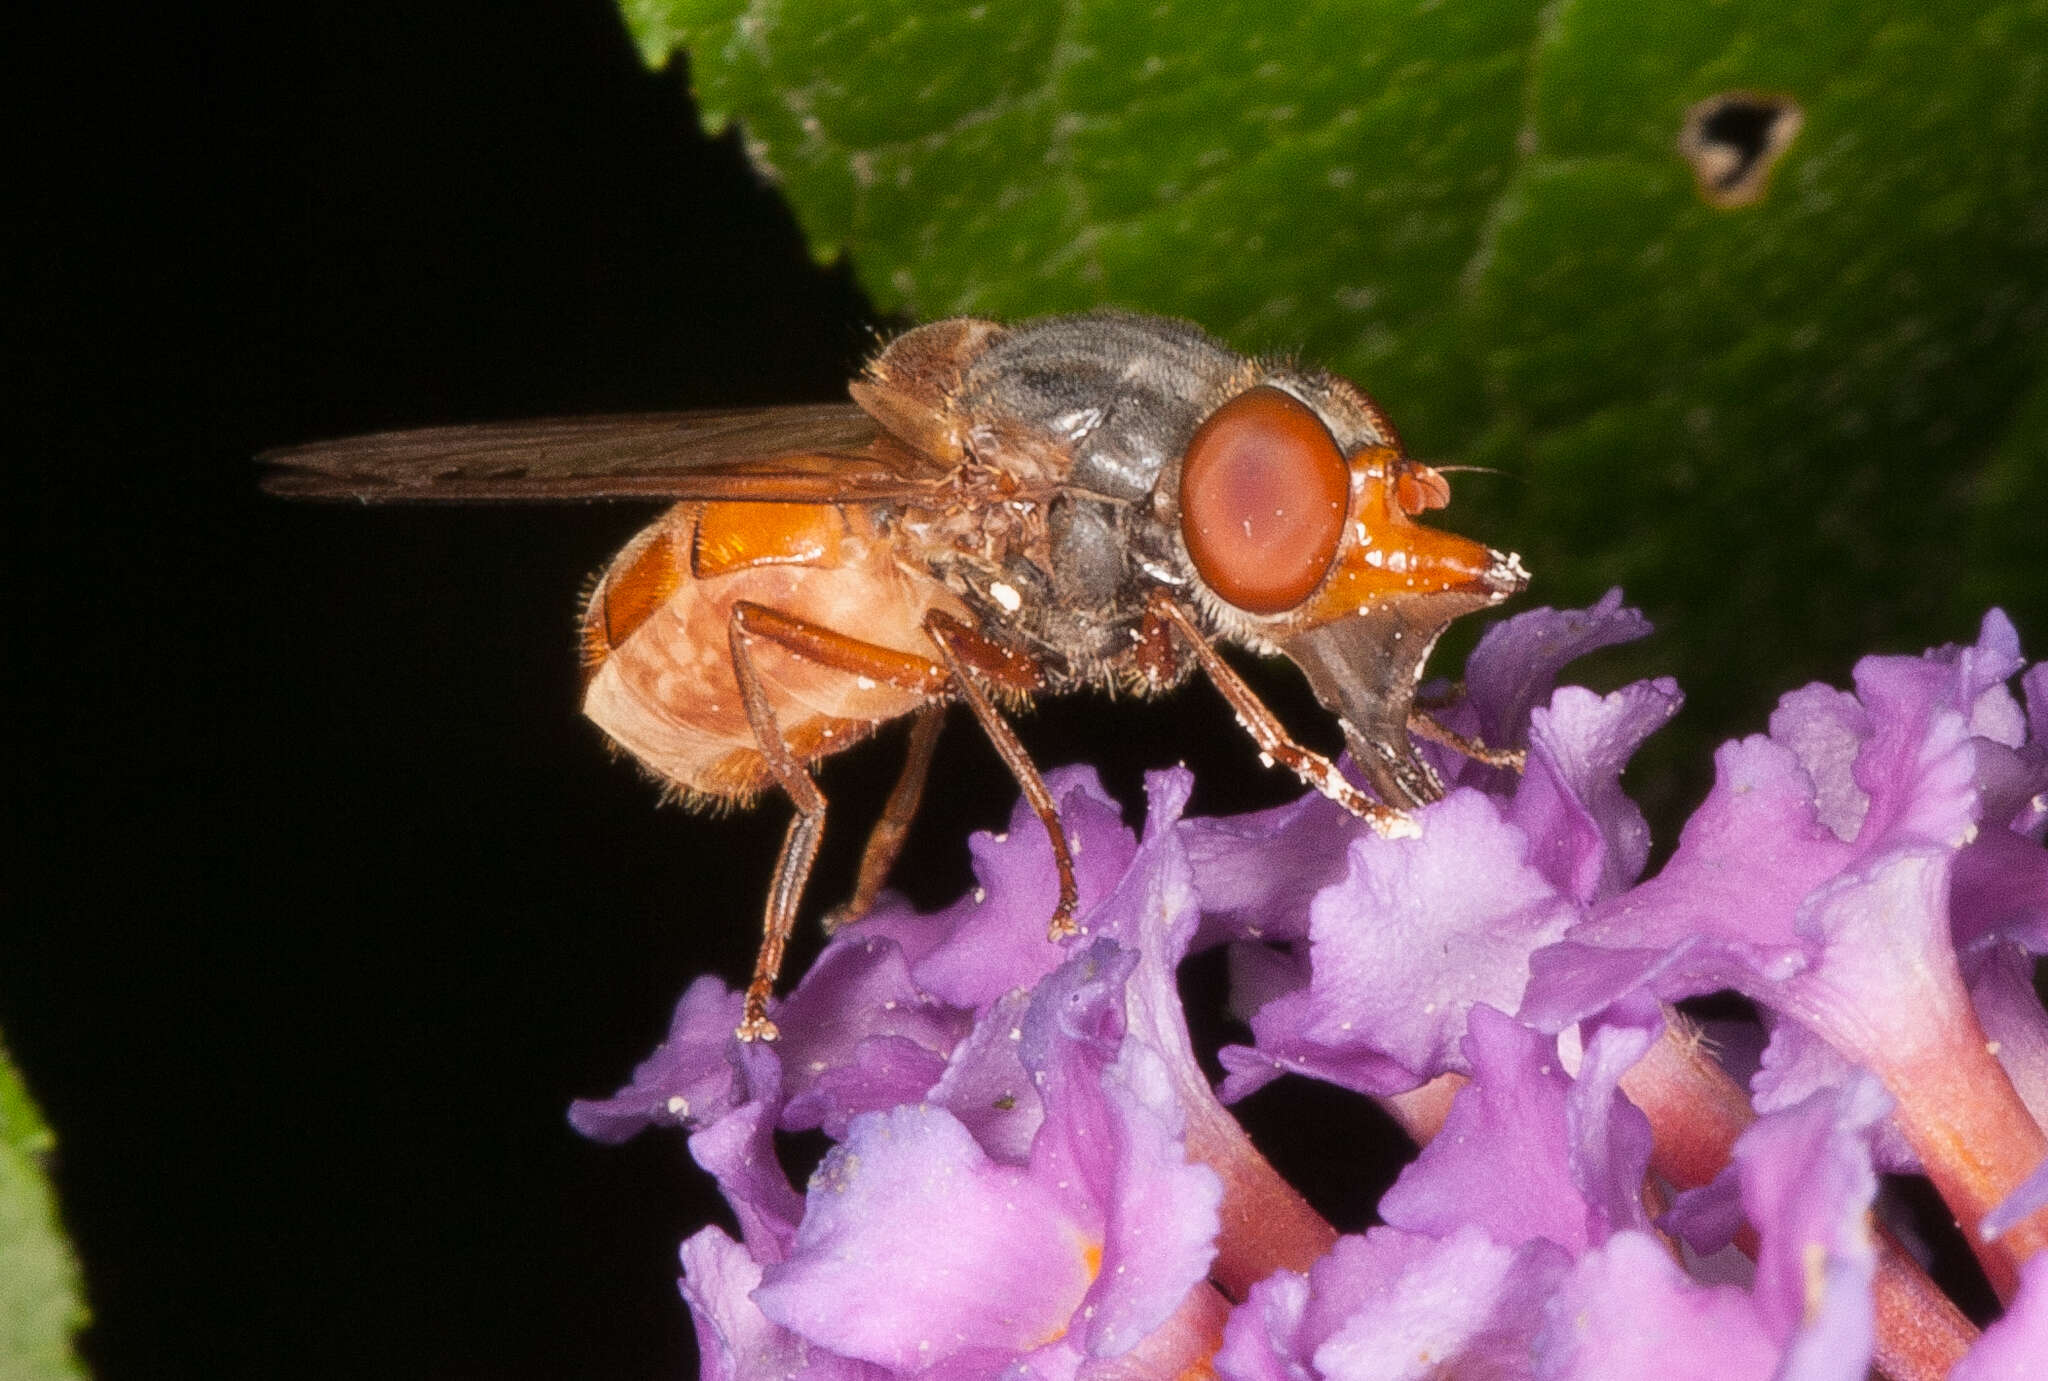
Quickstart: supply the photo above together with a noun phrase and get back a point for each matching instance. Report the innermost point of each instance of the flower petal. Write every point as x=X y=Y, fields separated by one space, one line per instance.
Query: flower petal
x=738 y=1150
x=1466 y=1306
x=1517 y=661
x=1527 y=1151
x=735 y=1340
x=1586 y=835
x=917 y=1249
x=688 y=1080
x=1416 y=933
x=995 y=939
x=1627 y=1312
x=1113 y=1124
x=2012 y=1348
x=859 y=1035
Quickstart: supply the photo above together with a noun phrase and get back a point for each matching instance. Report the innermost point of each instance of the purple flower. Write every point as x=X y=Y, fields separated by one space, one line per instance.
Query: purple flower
x=2012 y=1348
x=1820 y=878
x=1805 y=1179
x=1411 y=938
x=1629 y=1310
x=1031 y=1175
x=994 y=939
x=1408 y=934
x=1529 y=1150
x=1396 y=1304
x=688 y=1079
x=1584 y=833
x=738 y=1150
x=1851 y=804
x=735 y=1340
x=1517 y=1244
x=921 y=1252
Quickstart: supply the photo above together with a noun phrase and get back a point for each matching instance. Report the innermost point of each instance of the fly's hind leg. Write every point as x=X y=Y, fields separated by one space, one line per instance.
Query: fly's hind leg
x=752 y=623
x=970 y=663
x=799 y=845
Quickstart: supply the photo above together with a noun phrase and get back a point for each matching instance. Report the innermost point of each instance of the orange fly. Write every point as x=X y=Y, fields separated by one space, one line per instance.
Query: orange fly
x=1000 y=513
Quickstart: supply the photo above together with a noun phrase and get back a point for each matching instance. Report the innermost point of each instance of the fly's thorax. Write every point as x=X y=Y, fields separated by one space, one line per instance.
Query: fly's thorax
x=1116 y=396
x=1065 y=582
x=1117 y=392
x=1090 y=420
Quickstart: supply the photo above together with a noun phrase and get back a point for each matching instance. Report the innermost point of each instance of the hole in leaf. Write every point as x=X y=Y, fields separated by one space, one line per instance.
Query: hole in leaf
x=1734 y=140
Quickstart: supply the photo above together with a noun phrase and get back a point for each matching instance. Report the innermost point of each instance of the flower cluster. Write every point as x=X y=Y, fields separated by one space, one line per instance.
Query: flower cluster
x=1032 y=1177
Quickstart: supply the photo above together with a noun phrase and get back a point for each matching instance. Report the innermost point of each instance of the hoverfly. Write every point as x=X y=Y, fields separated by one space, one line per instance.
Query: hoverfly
x=1000 y=513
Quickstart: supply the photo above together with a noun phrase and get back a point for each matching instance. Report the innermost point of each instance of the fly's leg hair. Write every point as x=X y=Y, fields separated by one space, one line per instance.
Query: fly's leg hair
x=1271 y=735
x=973 y=659
x=1157 y=661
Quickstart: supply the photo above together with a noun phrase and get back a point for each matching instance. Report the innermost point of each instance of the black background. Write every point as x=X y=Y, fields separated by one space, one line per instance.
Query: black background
x=331 y=902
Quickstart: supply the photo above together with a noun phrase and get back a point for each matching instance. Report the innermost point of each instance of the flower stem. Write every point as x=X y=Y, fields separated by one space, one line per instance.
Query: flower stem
x=1421 y=1111
x=1267 y=1225
x=1181 y=1349
x=1976 y=1140
x=1696 y=1113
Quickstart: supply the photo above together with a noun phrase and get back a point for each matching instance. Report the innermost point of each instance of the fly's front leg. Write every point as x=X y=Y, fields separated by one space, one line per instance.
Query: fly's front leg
x=1423 y=724
x=753 y=623
x=1274 y=743
x=973 y=659
x=1157 y=661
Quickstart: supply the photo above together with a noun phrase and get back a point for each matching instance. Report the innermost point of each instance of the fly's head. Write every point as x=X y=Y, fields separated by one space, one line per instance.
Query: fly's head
x=1297 y=508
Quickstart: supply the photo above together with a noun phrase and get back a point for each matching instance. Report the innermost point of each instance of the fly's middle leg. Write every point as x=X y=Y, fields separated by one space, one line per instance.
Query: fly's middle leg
x=885 y=840
x=974 y=660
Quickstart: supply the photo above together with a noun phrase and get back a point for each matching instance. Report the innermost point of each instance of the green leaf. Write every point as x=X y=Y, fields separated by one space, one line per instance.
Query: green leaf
x=1780 y=426
x=41 y=1307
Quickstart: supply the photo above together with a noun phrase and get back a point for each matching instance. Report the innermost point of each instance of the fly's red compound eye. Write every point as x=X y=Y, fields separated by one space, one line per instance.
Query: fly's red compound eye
x=1263 y=492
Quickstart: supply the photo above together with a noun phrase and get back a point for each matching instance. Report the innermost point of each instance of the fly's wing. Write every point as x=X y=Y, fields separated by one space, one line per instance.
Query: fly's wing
x=808 y=453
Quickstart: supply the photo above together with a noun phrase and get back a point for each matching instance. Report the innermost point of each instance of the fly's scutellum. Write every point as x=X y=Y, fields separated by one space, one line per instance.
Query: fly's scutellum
x=1000 y=513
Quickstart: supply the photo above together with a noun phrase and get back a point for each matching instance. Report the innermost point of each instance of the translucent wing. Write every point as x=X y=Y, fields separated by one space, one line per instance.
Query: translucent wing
x=809 y=453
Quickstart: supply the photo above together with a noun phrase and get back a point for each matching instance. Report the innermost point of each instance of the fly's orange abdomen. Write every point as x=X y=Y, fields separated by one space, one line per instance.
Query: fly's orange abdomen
x=638 y=581
x=659 y=676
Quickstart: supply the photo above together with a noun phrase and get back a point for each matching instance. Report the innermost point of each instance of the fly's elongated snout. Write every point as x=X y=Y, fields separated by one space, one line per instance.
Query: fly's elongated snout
x=1364 y=669
x=1393 y=589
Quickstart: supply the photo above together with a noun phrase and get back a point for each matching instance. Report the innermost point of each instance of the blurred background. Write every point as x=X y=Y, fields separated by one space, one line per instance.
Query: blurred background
x=331 y=901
